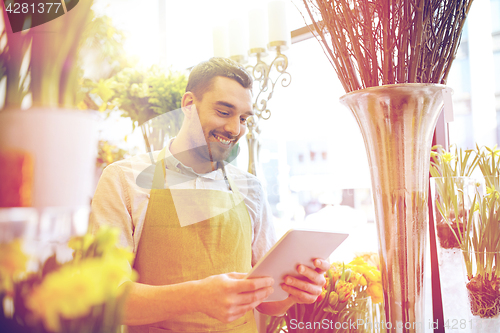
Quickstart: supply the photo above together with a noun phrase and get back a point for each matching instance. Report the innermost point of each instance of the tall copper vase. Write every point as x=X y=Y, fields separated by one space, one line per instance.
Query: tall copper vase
x=397 y=123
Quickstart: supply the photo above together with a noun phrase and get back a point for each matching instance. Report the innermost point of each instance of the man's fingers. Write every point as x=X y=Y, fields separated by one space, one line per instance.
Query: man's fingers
x=235 y=275
x=299 y=294
x=321 y=265
x=256 y=296
x=313 y=275
x=305 y=286
x=254 y=284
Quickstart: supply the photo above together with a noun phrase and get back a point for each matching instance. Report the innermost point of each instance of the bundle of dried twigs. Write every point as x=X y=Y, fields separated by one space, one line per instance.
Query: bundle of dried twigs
x=376 y=42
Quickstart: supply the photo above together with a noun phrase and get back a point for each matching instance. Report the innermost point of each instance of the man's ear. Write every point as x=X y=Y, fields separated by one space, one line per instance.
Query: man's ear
x=187 y=104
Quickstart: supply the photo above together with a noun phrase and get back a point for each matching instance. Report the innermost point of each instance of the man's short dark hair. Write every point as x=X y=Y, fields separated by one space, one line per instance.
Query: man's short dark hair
x=203 y=74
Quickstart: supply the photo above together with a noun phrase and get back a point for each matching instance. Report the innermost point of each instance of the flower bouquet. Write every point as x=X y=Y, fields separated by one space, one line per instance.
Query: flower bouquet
x=82 y=295
x=350 y=301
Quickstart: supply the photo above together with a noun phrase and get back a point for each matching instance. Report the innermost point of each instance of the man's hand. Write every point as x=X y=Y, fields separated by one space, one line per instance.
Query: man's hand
x=307 y=290
x=304 y=290
x=227 y=297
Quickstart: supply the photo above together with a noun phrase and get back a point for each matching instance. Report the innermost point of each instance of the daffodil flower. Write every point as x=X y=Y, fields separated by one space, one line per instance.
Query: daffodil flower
x=491 y=191
x=494 y=151
x=448 y=157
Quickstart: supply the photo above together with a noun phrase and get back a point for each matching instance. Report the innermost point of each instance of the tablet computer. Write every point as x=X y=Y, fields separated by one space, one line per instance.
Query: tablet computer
x=297 y=246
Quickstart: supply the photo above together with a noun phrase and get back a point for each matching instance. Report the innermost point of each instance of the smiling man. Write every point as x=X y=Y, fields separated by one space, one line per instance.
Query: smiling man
x=195 y=240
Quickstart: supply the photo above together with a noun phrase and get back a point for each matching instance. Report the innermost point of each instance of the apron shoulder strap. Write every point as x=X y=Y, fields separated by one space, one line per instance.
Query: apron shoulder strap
x=159 y=174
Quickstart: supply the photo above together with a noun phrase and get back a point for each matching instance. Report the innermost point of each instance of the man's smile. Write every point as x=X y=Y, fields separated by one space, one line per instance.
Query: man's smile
x=223 y=140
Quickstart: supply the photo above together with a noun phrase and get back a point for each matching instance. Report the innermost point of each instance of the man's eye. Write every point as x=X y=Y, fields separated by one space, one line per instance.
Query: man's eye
x=243 y=120
x=223 y=113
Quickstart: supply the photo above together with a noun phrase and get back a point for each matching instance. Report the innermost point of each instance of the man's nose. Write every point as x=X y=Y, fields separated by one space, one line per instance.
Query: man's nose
x=233 y=126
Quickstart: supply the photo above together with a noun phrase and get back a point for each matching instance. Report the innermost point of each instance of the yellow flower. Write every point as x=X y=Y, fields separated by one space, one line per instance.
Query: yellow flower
x=69 y=292
x=73 y=290
x=12 y=263
x=448 y=157
x=362 y=281
x=355 y=279
x=491 y=191
x=372 y=275
x=91 y=279
x=333 y=299
x=81 y=243
x=494 y=151
x=371 y=258
x=358 y=261
x=107 y=238
x=376 y=291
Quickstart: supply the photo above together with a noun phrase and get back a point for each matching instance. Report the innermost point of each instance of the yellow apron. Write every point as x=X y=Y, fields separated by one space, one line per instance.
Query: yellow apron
x=168 y=253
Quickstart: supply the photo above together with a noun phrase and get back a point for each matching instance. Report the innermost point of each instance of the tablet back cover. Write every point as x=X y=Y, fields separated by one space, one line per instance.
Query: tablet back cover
x=294 y=248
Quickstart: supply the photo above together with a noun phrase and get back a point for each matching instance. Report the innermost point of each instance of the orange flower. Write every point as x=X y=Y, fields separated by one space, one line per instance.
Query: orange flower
x=344 y=290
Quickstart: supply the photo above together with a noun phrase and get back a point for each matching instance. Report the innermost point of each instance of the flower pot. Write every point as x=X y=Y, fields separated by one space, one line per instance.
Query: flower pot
x=483 y=286
x=63 y=145
x=397 y=123
x=450 y=223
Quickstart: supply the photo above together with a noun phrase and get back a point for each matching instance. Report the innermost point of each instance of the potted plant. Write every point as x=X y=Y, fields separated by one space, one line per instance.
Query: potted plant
x=11 y=59
x=40 y=118
x=473 y=222
x=481 y=242
x=143 y=95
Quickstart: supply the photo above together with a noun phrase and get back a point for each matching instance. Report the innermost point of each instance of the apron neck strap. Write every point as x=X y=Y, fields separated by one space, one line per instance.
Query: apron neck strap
x=160 y=174
x=229 y=180
x=160 y=171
